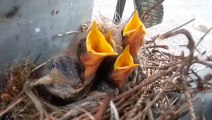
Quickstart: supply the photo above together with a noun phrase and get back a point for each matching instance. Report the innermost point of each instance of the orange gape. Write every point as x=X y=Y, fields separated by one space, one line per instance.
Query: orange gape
x=97 y=49
x=123 y=67
x=134 y=33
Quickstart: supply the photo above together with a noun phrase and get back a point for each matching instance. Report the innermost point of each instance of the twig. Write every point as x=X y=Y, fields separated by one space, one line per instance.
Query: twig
x=50 y=106
x=143 y=113
x=166 y=53
x=85 y=105
x=12 y=106
x=114 y=111
x=103 y=107
x=35 y=100
x=37 y=58
x=169 y=65
x=188 y=100
x=145 y=82
x=150 y=9
x=150 y=114
x=182 y=110
x=157 y=46
x=95 y=96
x=199 y=79
x=182 y=25
x=67 y=115
x=66 y=33
x=38 y=67
x=203 y=37
x=173 y=113
x=190 y=45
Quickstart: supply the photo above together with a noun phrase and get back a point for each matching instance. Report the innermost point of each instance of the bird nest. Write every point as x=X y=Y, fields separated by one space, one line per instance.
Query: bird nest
x=155 y=95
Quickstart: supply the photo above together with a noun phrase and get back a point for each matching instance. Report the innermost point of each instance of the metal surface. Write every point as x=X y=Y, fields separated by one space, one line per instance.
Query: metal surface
x=203 y=100
x=28 y=27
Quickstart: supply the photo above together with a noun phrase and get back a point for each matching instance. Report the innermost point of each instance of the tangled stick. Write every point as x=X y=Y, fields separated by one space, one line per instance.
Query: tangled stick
x=190 y=45
x=103 y=107
x=189 y=61
x=10 y=107
x=35 y=100
x=144 y=112
x=144 y=83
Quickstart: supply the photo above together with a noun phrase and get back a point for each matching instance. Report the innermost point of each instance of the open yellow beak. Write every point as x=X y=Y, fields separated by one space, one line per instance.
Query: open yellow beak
x=109 y=39
x=133 y=23
x=123 y=67
x=134 y=32
x=97 y=49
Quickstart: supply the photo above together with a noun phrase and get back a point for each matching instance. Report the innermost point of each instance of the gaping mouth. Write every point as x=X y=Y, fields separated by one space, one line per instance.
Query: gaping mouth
x=97 y=44
x=134 y=33
x=123 y=67
x=97 y=49
x=125 y=60
x=133 y=24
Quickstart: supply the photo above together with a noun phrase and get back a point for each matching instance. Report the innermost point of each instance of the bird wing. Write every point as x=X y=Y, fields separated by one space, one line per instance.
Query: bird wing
x=64 y=73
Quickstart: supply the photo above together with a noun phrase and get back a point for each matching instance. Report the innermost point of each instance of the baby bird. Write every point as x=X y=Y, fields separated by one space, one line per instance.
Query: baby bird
x=132 y=34
x=114 y=72
x=123 y=67
x=72 y=77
